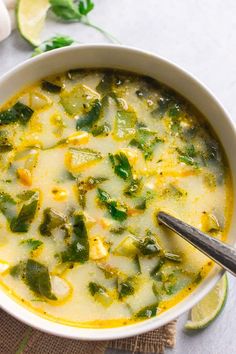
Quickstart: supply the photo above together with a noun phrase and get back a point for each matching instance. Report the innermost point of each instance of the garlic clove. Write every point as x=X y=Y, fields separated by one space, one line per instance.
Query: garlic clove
x=5 y=22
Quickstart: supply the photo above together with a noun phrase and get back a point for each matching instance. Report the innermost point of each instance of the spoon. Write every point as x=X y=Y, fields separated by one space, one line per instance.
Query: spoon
x=220 y=252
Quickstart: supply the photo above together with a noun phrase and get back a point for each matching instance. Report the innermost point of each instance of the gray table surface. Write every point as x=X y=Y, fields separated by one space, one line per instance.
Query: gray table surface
x=198 y=35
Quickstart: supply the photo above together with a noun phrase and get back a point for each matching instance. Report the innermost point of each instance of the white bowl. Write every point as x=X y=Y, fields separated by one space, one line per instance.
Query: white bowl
x=119 y=57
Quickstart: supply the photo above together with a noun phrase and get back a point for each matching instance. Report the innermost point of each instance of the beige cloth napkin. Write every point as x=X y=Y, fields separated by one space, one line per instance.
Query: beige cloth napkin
x=18 y=338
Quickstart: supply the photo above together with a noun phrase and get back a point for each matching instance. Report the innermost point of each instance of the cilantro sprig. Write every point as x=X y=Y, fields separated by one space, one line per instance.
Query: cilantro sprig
x=53 y=43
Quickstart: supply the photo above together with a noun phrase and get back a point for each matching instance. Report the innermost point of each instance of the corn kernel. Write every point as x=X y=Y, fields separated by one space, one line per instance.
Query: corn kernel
x=25 y=176
x=59 y=194
x=97 y=250
x=78 y=138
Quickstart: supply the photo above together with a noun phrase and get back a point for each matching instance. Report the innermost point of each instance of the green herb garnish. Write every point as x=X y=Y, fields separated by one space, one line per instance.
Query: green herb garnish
x=53 y=43
x=117 y=211
x=52 y=219
x=100 y=293
x=133 y=188
x=7 y=205
x=121 y=165
x=32 y=243
x=38 y=280
x=148 y=311
x=86 y=185
x=78 y=249
x=22 y=222
x=188 y=156
x=77 y=10
x=146 y=140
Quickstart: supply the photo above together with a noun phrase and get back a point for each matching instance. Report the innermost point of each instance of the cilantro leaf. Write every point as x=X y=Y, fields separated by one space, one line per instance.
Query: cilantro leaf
x=85 y=6
x=69 y=10
x=188 y=156
x=38 y=280
x=53 y=43
x=121 y=165
x=86 y=185
x=146 y=141
x=148 y=311
x=78 y=249
x=117 y=211
x=32 y=244
x=21 y=223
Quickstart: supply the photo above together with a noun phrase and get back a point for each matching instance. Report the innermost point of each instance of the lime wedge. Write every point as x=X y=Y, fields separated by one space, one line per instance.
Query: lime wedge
x=209 y=307
x=31 y=18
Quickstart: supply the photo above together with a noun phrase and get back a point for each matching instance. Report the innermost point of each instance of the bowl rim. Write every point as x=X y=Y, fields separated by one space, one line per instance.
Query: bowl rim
x=93 y=334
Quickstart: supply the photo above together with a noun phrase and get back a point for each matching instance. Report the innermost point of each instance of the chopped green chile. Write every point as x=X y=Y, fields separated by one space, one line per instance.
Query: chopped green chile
x=148 y=246
x=5 y=144
x=125 y=122
x=105 y=85
x=155 y=271
x=18 y=113
x=7 y=205
x=21 y=223
x=101 y=130
x=125 y=288
x=52 y=219
x=50 y=87
x=87 y=121
x=100 y=294
x=173 y=257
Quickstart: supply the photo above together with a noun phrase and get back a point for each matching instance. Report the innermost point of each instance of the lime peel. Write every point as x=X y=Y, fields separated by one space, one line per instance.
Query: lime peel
x=31 y=17
x=208 y=309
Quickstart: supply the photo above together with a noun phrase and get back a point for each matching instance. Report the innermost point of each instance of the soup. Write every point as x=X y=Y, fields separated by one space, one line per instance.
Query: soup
x=87 y=160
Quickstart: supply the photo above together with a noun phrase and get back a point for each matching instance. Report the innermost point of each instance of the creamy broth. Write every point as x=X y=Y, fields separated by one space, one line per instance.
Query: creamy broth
x=87 y=159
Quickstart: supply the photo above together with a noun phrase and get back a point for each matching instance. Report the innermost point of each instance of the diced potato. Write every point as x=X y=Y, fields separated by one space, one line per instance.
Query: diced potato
x=38 y=100
x=78 y=138
x=126 y=247
x=75 y=100
x=97 y=250
x=25 y=176
x=78 y=159
x=60 y=287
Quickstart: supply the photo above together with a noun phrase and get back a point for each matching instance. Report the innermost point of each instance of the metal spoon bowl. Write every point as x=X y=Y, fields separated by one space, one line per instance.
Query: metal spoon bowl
x=220 y=252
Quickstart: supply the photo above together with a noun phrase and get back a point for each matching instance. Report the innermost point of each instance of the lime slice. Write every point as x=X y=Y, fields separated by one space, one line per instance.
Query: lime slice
x=30 y=18
x=209 y=307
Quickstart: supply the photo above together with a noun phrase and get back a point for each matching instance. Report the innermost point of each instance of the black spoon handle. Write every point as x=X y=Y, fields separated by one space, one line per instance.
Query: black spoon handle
x=220 y=252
